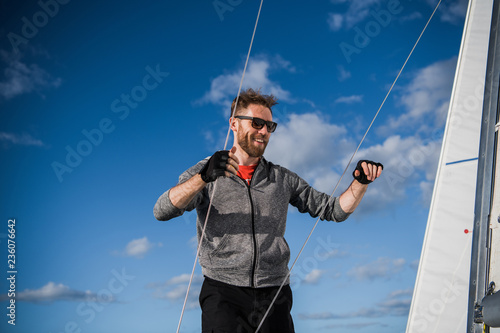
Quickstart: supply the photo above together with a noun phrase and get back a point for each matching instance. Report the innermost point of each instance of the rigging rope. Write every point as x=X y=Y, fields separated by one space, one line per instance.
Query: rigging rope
x=215 y=184
x=334 y=190
x=346 y=168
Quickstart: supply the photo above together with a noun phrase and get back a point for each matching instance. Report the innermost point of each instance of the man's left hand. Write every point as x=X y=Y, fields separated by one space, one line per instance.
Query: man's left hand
x=367 y=171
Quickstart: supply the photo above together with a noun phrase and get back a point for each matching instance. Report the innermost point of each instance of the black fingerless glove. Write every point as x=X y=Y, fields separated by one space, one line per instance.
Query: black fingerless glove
x=215 y=167
x=362 y=177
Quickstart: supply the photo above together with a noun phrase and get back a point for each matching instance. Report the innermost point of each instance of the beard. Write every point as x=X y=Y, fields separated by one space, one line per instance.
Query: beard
x=246 y=143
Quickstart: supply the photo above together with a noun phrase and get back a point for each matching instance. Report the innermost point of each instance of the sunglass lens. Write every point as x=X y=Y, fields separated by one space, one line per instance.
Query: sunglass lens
x=258 y=123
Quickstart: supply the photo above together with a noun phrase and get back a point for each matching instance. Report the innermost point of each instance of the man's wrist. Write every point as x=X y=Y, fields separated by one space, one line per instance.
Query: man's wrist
x=199 y=179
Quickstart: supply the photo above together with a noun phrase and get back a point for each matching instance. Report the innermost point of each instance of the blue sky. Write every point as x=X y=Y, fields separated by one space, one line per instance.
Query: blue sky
x=103 y=105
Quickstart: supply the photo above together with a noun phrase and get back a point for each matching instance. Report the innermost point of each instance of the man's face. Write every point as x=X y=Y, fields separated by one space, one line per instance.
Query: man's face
x=253 y=141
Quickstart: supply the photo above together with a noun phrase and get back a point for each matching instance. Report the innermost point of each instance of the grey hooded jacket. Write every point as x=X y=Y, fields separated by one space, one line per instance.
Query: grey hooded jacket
x=244 y=242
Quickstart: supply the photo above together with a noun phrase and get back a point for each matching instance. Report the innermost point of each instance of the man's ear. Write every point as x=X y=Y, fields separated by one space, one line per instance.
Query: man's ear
x=232 y=123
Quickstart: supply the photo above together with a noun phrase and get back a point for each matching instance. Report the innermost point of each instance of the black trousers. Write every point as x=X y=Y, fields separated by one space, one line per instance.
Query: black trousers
x=230 y=309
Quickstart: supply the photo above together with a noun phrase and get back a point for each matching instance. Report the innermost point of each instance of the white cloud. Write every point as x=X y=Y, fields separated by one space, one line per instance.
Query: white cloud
x=183 y=278
x=57 y=292
x=23 y=139
x=319 y=151
x=343 y=73
x=349 y=99
x=20 y=78
x=308 y=145
x=139 y=247
x=452 y=12
x=358 y=11
x=174 y=289
x=403 y=293
x=335 y=21
x=177 y=293
x=427 y=187
x=406 y=161
x=313 y=276
x=224 y=87
x=425 y=99
x=326 y=179
x=356 y=326
x=383 y=268
x=281 y=63
x=411 y=17
x=395 y=304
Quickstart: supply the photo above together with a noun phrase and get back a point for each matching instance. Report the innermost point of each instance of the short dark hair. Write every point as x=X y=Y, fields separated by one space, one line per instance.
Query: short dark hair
x=251 y=96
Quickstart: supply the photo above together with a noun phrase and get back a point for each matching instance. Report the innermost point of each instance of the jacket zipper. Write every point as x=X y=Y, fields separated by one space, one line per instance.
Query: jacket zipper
x=254 y=264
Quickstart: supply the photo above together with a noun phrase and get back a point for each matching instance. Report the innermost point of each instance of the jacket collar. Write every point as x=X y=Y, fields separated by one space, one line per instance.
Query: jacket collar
x=261 y=171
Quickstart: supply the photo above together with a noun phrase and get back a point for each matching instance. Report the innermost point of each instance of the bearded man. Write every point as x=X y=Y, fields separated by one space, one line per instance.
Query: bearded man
x=243 y=254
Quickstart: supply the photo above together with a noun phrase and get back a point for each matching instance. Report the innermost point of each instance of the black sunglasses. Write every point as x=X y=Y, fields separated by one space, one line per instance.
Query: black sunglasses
x=258 y=123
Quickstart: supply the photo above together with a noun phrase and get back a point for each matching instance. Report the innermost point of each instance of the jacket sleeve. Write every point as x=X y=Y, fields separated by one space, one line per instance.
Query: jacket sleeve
x=164 y=210
x=316 y=203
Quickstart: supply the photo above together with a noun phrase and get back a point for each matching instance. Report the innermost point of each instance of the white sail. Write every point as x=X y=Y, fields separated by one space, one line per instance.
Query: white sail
x=441 y=293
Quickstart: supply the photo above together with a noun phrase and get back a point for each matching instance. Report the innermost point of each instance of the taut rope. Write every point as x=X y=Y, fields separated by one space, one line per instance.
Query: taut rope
x=215 y=185
x=347 y=167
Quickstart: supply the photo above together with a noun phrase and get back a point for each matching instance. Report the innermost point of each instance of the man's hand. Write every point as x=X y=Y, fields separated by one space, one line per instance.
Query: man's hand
x=222 y=163
x=364 y=174
x=367 y=171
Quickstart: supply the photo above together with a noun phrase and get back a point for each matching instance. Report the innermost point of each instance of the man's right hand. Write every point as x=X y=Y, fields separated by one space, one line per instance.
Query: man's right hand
x=222 y=163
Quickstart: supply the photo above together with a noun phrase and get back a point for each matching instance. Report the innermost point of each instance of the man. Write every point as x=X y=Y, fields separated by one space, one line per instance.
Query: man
x=243 y=255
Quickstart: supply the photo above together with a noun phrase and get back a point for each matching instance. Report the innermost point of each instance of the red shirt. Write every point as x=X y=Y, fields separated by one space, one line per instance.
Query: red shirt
x=245 y=172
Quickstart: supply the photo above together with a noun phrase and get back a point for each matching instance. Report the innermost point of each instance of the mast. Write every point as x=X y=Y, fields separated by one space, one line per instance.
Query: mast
x=484 y=298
